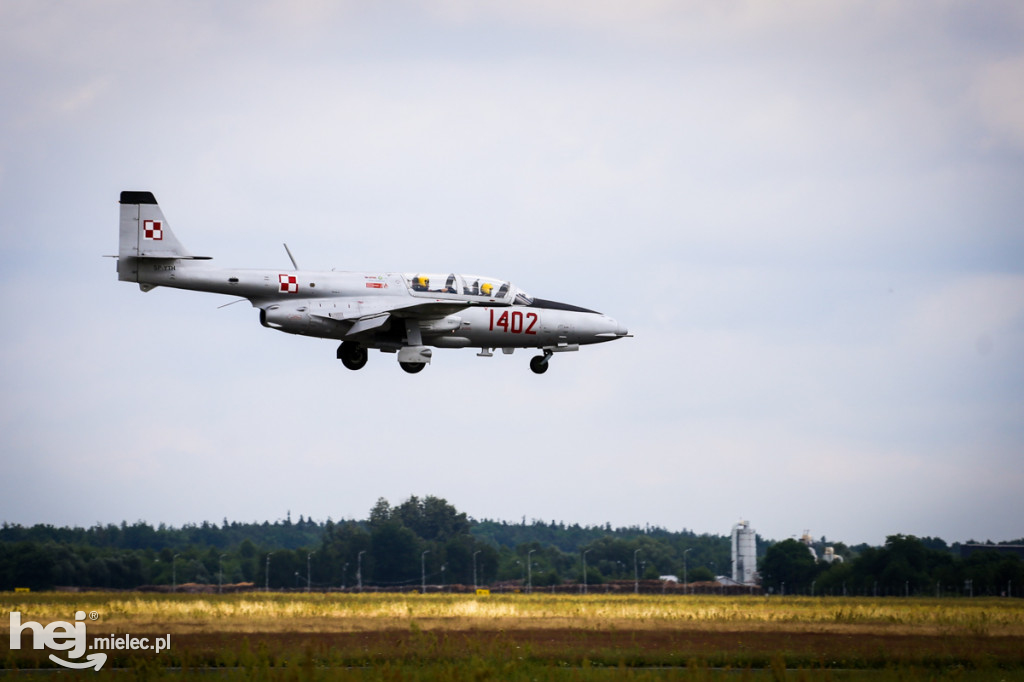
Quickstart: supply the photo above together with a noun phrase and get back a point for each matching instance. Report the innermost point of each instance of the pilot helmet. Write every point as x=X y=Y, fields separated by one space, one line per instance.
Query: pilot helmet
x=421 y=281
x=486 y=288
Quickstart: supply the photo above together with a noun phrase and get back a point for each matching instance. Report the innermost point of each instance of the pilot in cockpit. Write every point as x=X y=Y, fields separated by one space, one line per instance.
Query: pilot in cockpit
x=420 y=283
x=486 y=288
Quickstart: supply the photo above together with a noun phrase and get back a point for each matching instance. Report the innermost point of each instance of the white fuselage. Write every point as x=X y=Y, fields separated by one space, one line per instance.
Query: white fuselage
x=324 y=304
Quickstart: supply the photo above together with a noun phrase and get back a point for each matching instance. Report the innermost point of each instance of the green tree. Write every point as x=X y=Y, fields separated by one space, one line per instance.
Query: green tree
x=248 y=561
x=431 y=518
x=395 y=553
x=338 y=555
x=699 y=574
x=993 y=572
x=835 y=579
x=788 y=566
x=380 y=513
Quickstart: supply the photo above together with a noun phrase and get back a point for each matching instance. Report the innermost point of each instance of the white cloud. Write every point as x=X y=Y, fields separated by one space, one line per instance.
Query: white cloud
x=1001 y=102
x=979 y=314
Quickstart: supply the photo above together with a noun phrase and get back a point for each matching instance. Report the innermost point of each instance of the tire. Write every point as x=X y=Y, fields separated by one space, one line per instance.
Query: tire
x=352 y=355
x=539 y=364
x=413 y=367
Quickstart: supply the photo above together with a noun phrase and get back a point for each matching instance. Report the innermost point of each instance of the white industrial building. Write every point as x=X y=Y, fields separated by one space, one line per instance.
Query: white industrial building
x=744 y=554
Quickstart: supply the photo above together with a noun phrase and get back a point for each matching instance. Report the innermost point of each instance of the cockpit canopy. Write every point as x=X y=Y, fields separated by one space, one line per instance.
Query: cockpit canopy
x=472 y=288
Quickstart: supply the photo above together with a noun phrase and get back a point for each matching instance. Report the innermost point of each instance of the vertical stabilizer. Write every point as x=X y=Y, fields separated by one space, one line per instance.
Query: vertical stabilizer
x=144 y=234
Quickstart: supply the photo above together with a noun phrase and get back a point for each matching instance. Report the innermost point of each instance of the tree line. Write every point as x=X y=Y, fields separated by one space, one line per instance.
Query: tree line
x=429 y=540
x=396 y=546
x=904 y=566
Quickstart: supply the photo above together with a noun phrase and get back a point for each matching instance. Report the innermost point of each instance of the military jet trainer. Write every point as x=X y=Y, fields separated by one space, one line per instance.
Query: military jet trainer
x=392 y=312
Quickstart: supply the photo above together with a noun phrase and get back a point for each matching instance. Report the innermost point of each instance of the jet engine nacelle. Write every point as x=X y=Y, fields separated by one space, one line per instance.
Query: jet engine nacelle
x=285 y=318
x=294 y=318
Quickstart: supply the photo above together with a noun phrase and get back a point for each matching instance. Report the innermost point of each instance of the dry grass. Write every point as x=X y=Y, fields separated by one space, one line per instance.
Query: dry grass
x=334 y=613
x=514 y=636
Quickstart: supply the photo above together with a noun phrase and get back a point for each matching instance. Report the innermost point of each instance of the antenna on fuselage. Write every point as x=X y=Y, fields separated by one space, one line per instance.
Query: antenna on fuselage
x=291 y=257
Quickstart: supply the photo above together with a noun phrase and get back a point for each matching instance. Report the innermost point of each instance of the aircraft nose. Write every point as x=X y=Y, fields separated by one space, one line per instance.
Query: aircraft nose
x=612 y=329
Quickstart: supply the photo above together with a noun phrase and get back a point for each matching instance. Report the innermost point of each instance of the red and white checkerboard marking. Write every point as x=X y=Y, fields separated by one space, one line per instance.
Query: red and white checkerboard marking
x=289 y=284
x=152 y=230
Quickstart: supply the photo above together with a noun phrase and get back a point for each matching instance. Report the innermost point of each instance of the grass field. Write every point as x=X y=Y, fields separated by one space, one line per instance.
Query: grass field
x=544 y=637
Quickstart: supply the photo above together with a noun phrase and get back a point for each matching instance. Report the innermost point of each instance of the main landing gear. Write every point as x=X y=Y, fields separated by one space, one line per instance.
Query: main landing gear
x=412 y=367
x=539 y=363
x=353 y=355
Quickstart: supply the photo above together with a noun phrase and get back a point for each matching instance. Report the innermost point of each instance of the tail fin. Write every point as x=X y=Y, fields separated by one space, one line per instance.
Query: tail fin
x=144 y=234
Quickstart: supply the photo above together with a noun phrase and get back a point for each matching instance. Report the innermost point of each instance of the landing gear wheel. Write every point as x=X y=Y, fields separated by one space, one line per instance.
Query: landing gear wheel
x=413 y=367
x=352 y=355
x=539 y=364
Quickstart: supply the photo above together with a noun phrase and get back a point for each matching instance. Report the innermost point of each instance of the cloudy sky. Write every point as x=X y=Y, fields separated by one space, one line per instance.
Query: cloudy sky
x=811 y=216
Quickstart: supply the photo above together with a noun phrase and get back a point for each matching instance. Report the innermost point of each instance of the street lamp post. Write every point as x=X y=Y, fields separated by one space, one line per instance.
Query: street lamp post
x=585 y=571
x=529 y=571
x=359 y=569
x=174 y=573
x=636 y=575
x=475 y=584
x=686 y=583
x=308 y=575
x=220 y=573
x=423 y=570
x=266 y=586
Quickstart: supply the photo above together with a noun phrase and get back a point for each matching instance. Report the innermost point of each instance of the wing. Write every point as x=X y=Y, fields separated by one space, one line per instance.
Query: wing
x=371 y=314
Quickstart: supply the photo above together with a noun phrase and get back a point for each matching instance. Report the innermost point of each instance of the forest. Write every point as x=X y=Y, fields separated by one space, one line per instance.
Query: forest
x=428 y=540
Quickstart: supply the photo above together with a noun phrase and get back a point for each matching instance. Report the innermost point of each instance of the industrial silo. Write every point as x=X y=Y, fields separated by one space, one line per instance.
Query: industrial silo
x=744 y=553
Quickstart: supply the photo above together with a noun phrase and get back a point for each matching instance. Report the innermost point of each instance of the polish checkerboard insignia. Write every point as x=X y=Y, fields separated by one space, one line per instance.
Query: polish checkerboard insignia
x=152 y=230
x=289 y=284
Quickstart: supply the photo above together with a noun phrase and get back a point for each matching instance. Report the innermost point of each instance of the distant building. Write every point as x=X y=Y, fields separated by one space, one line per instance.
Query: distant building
x=809 y=541
x=744 y=554
x=829 y=555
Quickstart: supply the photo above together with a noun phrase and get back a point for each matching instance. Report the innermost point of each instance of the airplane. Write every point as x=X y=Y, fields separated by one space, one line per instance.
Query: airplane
x=401 y=313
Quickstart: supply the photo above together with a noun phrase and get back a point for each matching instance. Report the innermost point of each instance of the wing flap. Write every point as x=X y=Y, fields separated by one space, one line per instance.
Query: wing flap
x=365 y=324
x=423 y=310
